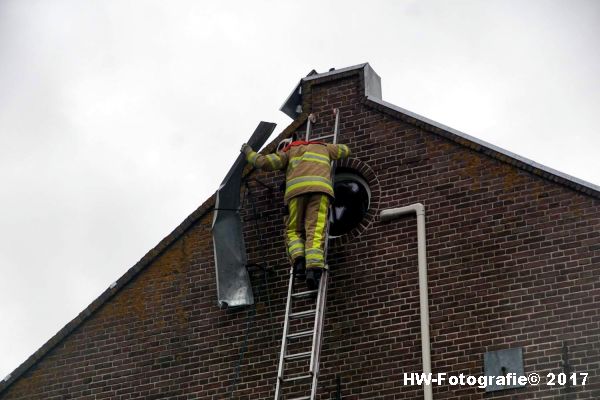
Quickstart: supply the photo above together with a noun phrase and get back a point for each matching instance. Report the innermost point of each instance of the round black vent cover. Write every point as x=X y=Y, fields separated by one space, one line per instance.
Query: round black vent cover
x=352 y=196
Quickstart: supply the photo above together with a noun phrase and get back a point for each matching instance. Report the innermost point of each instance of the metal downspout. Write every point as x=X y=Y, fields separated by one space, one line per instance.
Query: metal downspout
x=419 y=210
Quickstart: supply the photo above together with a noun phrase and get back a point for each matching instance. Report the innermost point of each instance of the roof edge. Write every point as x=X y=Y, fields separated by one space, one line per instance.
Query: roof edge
x=485 y=147
x=110 y=292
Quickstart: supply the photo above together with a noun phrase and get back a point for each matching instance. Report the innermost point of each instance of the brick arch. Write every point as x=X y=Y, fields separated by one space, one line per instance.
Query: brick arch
x=362 y=169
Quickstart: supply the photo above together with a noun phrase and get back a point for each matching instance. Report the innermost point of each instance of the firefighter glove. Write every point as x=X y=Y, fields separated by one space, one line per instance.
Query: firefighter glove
x=246 y=148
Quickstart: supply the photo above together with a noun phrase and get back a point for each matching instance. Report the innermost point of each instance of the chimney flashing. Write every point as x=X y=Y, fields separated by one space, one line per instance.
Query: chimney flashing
x=292 y=106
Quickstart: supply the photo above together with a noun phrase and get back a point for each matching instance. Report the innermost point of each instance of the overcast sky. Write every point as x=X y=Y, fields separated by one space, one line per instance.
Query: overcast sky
x=119 y=118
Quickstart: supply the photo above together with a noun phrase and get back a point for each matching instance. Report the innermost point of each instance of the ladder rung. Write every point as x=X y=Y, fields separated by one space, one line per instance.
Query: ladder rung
x=301 y=398
x=302 y=314
x=322 y=137
x=300 y=334
x=297 y=378
x=305 y=294
x=298 y=356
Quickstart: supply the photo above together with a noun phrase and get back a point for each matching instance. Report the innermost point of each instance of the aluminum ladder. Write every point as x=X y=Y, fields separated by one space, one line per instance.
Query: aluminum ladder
x=308 y=380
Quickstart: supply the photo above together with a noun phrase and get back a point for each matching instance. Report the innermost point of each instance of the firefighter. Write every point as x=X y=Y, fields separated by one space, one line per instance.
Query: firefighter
x=308 y=192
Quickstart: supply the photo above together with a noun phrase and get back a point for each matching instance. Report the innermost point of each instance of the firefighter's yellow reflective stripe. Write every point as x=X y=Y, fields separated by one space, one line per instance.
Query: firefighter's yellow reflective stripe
x=293 y=221
x=315 y=265
x=311 y=262
x=298 y=186
x=296 y=252
x=315 y=161
x=321 y=219
x=316 y=254
x=296 y=246
x=251 y=157
x=310 y=157
x=293 y=205
x=317 y=241
x=345 y=150
x=270 y=160
x=293 y=243
x=274 y=161
x=311 y=154
x=305 y=184
x=306 y=181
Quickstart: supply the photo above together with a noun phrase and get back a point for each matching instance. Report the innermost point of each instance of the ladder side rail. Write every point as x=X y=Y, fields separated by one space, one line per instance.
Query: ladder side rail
x=336 y=130
x=286 y=322
x=321 y=297
x=311 y=119
x=314 y=355
x=323 y=286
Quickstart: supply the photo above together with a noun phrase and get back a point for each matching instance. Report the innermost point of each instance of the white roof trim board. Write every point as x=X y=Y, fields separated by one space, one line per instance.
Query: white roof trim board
x=491 y=149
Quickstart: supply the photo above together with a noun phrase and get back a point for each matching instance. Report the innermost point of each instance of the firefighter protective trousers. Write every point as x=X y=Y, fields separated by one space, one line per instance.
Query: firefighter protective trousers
x=305 y=228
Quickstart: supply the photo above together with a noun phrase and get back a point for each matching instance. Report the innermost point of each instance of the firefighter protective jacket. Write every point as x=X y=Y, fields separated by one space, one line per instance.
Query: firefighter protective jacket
x=308 y=166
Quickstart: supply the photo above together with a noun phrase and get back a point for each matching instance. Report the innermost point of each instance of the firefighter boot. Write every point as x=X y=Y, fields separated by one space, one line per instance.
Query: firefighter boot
x=300 y=267
x=313 y=275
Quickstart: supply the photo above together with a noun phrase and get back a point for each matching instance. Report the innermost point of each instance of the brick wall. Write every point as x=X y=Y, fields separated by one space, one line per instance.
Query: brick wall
x=513 y=260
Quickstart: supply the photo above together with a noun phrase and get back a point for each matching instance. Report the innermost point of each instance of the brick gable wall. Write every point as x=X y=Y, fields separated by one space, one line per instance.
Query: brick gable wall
x=513 y=260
